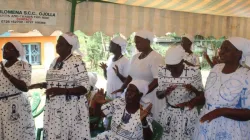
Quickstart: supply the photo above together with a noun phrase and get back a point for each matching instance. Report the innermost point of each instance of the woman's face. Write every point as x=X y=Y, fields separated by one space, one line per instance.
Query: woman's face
x=114 y=48
x=141 y=43
x=186 y=43
x=175 y=68
x=132 y=94
x=229 y=53
x=10 y=51
x=62 y=46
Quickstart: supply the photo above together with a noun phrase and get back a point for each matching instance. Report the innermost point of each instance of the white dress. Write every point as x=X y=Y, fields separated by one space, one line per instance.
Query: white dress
x=113 y=81
x=147 y=69
x=67 y=117
x=178 y=123
x=225 y=91
x=192 y=58
x=15 y=112
x=131 y=130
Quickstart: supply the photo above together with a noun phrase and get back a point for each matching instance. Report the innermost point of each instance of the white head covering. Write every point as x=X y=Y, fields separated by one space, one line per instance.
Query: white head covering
x=72 y=39
x=121 y=42
x=243 y=45
x=92 y=78
x=141 y=85
x=146 y=35
x=19 y=47
x=174 y=55
x=190 y=37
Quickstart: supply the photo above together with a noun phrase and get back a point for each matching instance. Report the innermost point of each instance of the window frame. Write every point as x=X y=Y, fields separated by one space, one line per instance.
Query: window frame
x=30 y=53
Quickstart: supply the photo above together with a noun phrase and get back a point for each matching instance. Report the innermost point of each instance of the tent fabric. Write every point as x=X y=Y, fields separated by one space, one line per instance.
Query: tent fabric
x=109 y=18
x=238 y=8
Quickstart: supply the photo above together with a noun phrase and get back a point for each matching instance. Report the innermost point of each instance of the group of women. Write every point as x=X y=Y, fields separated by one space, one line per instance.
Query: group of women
x=140 y=90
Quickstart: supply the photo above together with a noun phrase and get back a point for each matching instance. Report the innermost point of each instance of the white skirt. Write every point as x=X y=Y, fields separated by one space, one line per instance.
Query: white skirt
x=16 y=119
x=178 y=124
x=158 y=104
x=66 y=119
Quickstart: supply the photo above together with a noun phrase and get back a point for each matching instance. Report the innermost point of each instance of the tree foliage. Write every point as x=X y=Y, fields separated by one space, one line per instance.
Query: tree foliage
x=95 y=47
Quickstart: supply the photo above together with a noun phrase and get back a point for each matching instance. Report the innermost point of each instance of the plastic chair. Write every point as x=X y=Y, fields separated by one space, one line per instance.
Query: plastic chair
x=39 y=133
x=157 y=130
x=36 y=100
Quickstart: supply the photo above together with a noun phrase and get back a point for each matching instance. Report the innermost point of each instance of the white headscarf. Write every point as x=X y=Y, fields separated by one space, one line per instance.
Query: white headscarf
x=72 y=39
x=174 y=55
x=243 y=45
x=19 y=47
x=92 y=79
x=121 y=42
x=146 y=35
x=141 y=85
x=190 y=37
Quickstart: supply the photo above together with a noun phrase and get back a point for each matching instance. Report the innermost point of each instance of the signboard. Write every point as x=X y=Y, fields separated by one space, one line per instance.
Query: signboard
x=27 y=17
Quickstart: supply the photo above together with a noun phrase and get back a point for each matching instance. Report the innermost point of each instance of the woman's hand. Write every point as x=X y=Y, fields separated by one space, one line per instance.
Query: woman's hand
x=55 y=91
x=100 y=97
x=170 y=89
x=5 y=73
x=189 y=87
x=103 y=66
x=145 y=112
x=213 y=115
x=190 y=104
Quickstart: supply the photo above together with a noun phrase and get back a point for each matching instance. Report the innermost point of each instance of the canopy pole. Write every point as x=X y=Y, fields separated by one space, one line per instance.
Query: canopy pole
x=73 y=14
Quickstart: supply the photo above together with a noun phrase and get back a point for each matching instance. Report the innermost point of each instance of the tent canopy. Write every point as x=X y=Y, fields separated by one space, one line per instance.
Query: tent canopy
x=119 y=18
x=238 y=8
x=205 y=17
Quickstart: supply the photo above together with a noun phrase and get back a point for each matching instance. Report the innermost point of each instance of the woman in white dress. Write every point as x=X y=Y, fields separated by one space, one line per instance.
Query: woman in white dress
x=129 y=120
x=116 y=70
x=190 y=58
x=179 y=83
x=66 y=113
x=144 y=66
x=15 y=112
x=226 y=113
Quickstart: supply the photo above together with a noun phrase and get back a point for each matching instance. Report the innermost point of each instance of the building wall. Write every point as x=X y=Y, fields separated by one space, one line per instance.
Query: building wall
x=42 y=40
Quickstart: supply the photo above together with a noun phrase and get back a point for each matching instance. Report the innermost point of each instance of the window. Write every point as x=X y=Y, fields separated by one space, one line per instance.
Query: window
x=33 y=53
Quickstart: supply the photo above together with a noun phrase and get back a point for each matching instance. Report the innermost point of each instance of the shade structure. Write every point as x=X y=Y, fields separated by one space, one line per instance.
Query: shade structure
x=119 y=18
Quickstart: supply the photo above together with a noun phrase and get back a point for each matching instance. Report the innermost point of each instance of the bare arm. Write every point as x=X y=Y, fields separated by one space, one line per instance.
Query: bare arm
x=237 y=114
x=121 y=77
x=104 y=68
x=209 y=61
x=147 y=132
x=105 y=73
x=153 y=85
x=126 y=82
x=66 y=91
x=19 y=84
